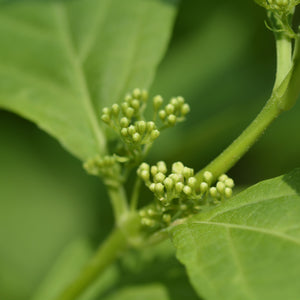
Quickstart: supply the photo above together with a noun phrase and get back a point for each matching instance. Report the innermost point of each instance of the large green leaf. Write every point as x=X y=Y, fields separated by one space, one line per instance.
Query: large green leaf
x=61 y=61
x=248 y=248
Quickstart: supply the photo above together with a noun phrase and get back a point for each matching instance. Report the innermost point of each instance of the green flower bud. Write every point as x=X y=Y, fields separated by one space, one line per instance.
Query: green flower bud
x=177 y=167
x=105 y=118
x=220 y=187
x=175 y=178
x=115 y=109
x=166 y=218
x=213 y=192
x=183 y=207
x=128 y=98
x=192 y=181
x=154 y=134
x=136 y=93
x=131 y=130
x=162 y=114
x=152 y=187
x=144 y=95
x=124 y=132
x=142 y=213
x=157 y=102
x=208 y=177
x=144 y=166
x=187 y=172
x=154 y=170
x=145 y=175
x=168 y=182
x=179 y=187
x=187 y=190
x=171 y=120
x=124 y=106
x=229 y=183
x=228 y=192
x=150 y=126
x=141 y=126
x=136 y=137
x=106 y=111
x=151 y=212
x=223 y=177
x=174 y=102
x=124 y=122
x=159 y=177
x=148 y=222
x=129 y=112
x=170 y=109
x=203 y=187
x=162 y=167
x=135 y=104
x=159 y=188
x=180 y=100
x=185 y=109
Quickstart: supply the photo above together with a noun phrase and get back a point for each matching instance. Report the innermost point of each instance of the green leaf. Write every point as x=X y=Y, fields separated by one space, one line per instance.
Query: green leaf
x=145 y=292
x=248 y=248
x=62 y=61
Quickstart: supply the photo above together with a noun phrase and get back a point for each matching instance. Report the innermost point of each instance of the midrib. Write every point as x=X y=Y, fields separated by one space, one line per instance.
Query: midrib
x=80 y=77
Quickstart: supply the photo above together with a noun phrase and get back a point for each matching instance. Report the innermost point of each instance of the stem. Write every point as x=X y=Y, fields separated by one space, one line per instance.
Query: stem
x=121 y=238
x=135 y=194
x=268 y=114
x=119 y=201
x=108 y=252
x=284 y=58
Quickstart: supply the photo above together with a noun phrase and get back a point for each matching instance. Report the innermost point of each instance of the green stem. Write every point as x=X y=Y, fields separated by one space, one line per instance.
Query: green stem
x=135 y=194
x=118 y=199
x=269 y=113
x=106 y=254
x=125 y=235
x=284 y=58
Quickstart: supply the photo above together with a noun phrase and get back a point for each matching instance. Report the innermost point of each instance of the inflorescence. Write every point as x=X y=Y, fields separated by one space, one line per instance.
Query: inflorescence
x=282 y=6
x=179 y=194
x=134 y=132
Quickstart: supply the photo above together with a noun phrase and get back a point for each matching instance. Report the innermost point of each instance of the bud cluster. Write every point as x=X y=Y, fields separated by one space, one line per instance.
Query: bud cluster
x=180 y=194
x=106 y=167
x=174 y=112
x=280 y=6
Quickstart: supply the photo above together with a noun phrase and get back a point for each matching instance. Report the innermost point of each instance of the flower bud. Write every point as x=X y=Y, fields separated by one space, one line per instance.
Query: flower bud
x=105 y=118
x=154 y=170
x=179 y=187
x=131 y=130
x=144 y=95
x=162 y=167
x=192 y=181
x=136 y=93
x=145 y=175
x=129 y=112
x=187 y=190
x=177 y=167
x=166 y=218
x=220 y=187
x=162 y=114
x=124 y=132
x=124 y=122
x=136 y=137
x=106 y=111
x=168 y=182
x=150 y=126
x=171 y=120
x=228 y=192
x=203 y=187
x=159 y=188
x=159 y=177
x=208 y=177
x=187 y=172
x=135 y=104
x=229 y=183
x=115 y=109
x=157 y=102
x=141 y=126
x=185 y=109
x=154 y=134
x=213 y=192
x=170 y=109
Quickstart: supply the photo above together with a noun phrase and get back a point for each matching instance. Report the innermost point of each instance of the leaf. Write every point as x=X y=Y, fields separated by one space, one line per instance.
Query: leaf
x=248 y=248
x=62 y=61
x=145 y=292
x=68 y=265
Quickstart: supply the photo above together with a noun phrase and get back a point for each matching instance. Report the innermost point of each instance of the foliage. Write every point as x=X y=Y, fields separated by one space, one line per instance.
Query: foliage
x=68 y=66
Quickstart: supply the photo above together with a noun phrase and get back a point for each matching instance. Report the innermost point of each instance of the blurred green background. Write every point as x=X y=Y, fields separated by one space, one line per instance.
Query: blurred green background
x=221 y=59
